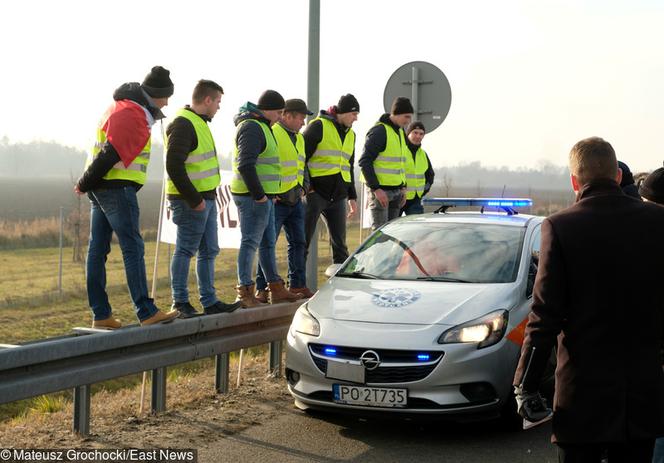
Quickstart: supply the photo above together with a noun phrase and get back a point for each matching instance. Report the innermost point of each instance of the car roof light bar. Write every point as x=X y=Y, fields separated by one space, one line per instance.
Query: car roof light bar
x=509 y=205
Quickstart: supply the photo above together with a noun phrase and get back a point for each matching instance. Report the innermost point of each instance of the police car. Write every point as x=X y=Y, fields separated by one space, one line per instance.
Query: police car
x=426 y=317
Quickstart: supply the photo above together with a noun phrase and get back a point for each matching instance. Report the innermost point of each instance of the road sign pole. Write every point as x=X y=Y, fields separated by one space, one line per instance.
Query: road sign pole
x=413 y=90
x=313 y=90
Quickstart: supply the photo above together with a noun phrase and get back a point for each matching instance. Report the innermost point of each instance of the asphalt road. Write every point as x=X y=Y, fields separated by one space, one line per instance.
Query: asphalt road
x=293 y=436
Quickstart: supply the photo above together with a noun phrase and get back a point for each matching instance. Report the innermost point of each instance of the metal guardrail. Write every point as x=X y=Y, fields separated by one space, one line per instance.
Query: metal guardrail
x=91 y=356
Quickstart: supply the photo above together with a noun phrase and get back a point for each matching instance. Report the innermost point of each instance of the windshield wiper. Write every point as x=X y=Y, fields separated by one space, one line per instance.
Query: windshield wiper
x=443 y=278
x=357 y=274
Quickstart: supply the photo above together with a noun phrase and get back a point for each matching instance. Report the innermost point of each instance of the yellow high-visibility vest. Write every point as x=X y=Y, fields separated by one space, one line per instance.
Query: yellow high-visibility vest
x=291 y=157
x=331 y=155
x=267 y=164
x=202 y=165
x=415 y=170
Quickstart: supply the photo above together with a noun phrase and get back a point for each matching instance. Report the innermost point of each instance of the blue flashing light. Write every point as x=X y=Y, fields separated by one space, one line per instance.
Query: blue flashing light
x=480 y=202
x=423 y=357
x=331 y=351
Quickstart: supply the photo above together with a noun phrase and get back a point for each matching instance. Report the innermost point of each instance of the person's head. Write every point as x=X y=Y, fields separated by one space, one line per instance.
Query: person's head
x=652 y=188
x=347 y=110
x=415 y=132
x=158 y=85
x=295 y=112
x=593 y=159
x=206 y=97
x=271 y=104
x=401 y=113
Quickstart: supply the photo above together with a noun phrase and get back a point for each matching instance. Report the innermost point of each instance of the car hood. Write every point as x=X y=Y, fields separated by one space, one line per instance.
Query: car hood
x=406 y=302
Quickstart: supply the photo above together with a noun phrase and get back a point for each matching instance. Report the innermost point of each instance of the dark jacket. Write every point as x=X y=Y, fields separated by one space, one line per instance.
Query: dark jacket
x=429 y=174
x=92 y=178
x=605 y=315
x=374 y=144
x=331 y=187
x=250 y=142
x=182 y=140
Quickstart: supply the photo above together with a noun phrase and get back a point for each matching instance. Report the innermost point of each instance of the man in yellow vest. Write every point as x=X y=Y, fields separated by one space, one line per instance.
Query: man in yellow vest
x=383 y=163
x=419 y=172
x=193 y=178
x=330 y=148
x=116 y=170
x=256 y=183
x=289 y=208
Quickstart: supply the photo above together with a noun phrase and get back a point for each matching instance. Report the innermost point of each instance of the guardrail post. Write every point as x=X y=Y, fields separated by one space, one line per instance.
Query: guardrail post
x=82 y=410
x=159 y=390
x=222 y=362
x=275 y=359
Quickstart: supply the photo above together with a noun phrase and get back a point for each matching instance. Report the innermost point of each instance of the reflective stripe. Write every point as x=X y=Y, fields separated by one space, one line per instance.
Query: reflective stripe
x=415 y=176
x=271 y=160
x=323 y=165
x=300 y=172
x=203 y=174
x=382 y=170
x=398 y=159
x=345 y=168
x=200 y=157
x=289 y=178
x=132 y=166
x=269 y=178
x=288 y=163
x=144 y=155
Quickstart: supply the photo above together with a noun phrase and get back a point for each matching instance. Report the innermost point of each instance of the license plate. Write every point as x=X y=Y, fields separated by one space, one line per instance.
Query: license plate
x=370 y=396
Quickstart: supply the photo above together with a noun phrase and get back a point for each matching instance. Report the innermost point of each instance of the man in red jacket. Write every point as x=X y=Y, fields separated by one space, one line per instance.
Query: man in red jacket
x=116 y=169
x=605 y=315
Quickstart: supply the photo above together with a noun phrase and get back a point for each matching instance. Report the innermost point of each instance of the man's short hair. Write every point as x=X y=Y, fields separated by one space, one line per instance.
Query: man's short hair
x=205 y=88
x=592 y=159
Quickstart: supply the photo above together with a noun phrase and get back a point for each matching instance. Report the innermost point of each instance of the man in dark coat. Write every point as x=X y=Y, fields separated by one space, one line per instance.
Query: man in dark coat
x=607 y=320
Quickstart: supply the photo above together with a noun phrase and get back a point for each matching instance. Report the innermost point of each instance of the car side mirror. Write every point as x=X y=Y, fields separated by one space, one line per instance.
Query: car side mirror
x=332 y=269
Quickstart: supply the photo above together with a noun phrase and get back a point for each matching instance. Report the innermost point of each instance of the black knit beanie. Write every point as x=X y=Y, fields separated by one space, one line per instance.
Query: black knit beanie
x=348 y=104
x=652 y=187
x=158 y=83
x=401 y=105
x=415 y=125
x=271 y=99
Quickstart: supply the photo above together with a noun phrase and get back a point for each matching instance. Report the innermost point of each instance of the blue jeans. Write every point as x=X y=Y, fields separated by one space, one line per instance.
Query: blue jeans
x=292 y=219
x=658 y=456
x=413 y=206
x=116 y=210
x=257 y=229
x=197 y=233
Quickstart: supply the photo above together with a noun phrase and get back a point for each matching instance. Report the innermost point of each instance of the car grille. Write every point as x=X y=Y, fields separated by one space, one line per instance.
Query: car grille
x=408 y=370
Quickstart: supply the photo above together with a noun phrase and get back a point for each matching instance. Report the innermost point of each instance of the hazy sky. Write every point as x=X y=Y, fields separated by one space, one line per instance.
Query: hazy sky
x=529 y=78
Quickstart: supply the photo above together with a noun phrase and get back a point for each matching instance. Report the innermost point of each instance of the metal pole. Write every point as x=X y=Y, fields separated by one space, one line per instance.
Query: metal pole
x=82 y=410
x=221 y=373
x=159 y=390
x=313 y=93
x=62 y=232
x=274 y=367
x=413 y=92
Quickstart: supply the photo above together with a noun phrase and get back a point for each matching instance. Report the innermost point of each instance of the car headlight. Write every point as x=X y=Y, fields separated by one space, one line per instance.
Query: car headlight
x=304 y=322
x=486 y=331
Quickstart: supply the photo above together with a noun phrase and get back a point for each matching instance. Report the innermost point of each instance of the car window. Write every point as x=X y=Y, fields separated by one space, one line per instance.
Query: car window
x=534 y=248
x=475 y=253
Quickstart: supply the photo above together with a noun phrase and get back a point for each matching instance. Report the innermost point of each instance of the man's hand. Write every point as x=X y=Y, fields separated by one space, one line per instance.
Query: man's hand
x=531 y=405
x=77 y=190
x=381 y=196
x=352 y=208
x=262 y=200
x=200 y=207
x=402 y=203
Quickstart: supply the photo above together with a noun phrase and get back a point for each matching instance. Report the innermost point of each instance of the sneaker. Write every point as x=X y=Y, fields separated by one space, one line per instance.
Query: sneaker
x=109 y=323
x=161 y=317
x=221 y=307
x=185 y=308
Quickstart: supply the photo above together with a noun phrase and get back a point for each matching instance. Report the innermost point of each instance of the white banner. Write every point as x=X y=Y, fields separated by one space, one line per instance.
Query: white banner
x=228 y=219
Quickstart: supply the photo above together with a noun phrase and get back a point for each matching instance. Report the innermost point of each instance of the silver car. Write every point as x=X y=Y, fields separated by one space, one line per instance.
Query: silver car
x=426 y=317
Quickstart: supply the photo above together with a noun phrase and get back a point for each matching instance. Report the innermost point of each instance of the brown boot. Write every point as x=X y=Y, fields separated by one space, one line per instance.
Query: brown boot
x=306 y=292
x=245 y=295
x=279 y=293
x=262 y=295
x=161 y=317
x=109 y=323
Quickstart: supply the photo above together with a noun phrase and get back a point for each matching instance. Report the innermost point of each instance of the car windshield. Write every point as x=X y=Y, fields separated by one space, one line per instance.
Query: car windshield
x=458 y=252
